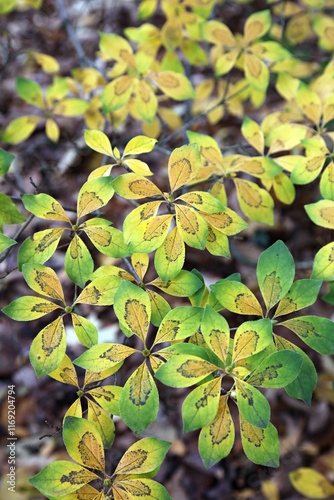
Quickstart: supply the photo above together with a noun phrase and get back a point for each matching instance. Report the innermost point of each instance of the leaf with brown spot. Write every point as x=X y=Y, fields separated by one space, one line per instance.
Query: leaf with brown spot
x=48 y=348
x=184 y=164
x=43 y=280
x=143 y=456
x=236 y=297
x=83 y=442
x=132 y=306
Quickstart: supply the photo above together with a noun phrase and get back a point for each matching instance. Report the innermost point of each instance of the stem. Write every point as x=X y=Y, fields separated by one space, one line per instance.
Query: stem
x=131 y=269
x=16 y=236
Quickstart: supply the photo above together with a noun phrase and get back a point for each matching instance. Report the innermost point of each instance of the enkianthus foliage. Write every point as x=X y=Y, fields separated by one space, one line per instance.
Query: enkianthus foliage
x=173 y=325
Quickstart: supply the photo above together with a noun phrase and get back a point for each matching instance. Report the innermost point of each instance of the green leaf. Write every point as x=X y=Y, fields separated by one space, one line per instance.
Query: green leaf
x=94 y=194
x=139 y=400
x=159 y=307
x=251 y=337
x=85 y=330
x=44 y=206
x=275 y=272
x=260 y=445
x=143 y=456
x=41 y=248
x=236 y=297
x=101 y=291
x=103 y=423
x=303 y=385
x=6 y=160
x=184 y=371
x=169 y=257
x=216 y=332
x=79 y=264
x=132 y=306
x=316 y=332
x=303 y=293
x=30 y=92
x=323 y=267
x=173 y=85
x=103 y=356
x=179 y=323
x=216 y=439
x=9 y=214
x=83 y=442
x=6 y=242
x=29 y=308
x=48 y=348
x=201 y=405
x=61 y=478
x=108 y=240
x=43 y=280
x=277 y=370
x=108 y=397
x=252 y=405
x=217 y=243
x=183 y=284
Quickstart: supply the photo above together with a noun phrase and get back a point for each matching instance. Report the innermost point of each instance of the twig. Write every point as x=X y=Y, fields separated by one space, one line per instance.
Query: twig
x=83 y=59
x=223 y=100
x=131 y=269
x=8 y=272
x=16 y=236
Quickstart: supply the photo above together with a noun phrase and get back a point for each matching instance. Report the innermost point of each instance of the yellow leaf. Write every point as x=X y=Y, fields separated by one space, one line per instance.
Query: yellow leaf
x=117 y=48
x=138 y=145
x=94 y=194
x=135 y=186
x=71 y=107
x=256 y=72
x=173 y=85
x=43 y=280
x=146 y=101
x=309 y=102
x=102 y=422
x=48 y=348
x=75 y=410
x=91 y=377
x=216 y=32
x=132 y=306
x=253 y=134
x=138 y=166
x=227 y=221
x=311 y=483
x=140 y=262
x=328 y=110
x=184 y=164
x=226 y=62
x=65 y=372
x=150 y=234
x=49 y=64
x=52 y=130
x=20 y=129
x=171 y=33
x=117 y=93
x=192 y=227
x=98 y=141
x=257 y=25
x=137 y=216
x=169 y=258
x=255 y=202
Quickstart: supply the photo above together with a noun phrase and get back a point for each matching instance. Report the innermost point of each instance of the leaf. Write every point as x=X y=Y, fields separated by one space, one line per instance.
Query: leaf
x=236 y=297
x=138 y=145
x=83 y=442
x=65 y=372
x=255 y=202
x=94 y=194
x=260 y=445
x=91 y=377
x=41 y=248
x=309 y=102
x=139 y=400
x=256 y=72
x=277 y=370
x=323 y=266
x=103 y=356
x=303 y=293
x=140 y=263
x=275 y=272
x=227 y=221
x=303 y=385
x=132 y=306
x=179 y=323
x=252 y=405
x=184 y=371
x=6 y=159
x=169 y=257
x=217 y=243
x=135 y=186
x=9 y=214
x=216 y=439
x=327 y=182
x=316 y=332
x=6 y=242
x=20 y=129
x=202 y=201
x=108 y=240
x=98 y=141
x=117 y=48
x=138 y=215
x=146 y=101
x=159 y=307
x=102 y=422
x=85 y=330
x=28 y=308
x=61 y=478
x=108 y=397
x=49 y=64
x=321 y=213
x=201 y=405
x=253 y=134
x=48 y=348
x=257 y=25
x=150 y=234
x=184 y=164
x=216 y=332
x=43 y=280
x=251 y=337
x=173 y=84
x=71 y=107
x=191 y=226
x=143 y=456
x=146 y=489
x=137 y=166
x=117 y=93
x=30 y=92
x=183 y=284
x=79 y=264
x=311 y=483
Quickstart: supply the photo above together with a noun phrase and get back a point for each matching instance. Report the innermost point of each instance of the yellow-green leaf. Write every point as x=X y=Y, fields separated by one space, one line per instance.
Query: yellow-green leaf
x=143 y=456
x=28 y=308
x=30 y=92
x=251 y=337
x=83 y=442
x=236 y=297
x=65 y=372
x=108 y=397
x=138 y=215
x=226 y=221
x=85 y=330
x=169 y=257
x=94 y=194
x=253 y=134
x=311 y=483
x=132 y=306
x=321 y=213
x=43 y=280
x=140 y=262
x=192 y=227
x=71 y=107
x=100 y=291
x=117 y=48
x=48 y=348
x=260 y=445
x=255 y=202
x=257 y=25
x=20 y=129
x=173 y=85
x=256 y=72
x=150 y=234
x=44 y=206
x=134 y=187
x=309 y=102
x=98 y=141
x=138 y=145
x=49 y=64
x=79 y=264
x=41 y=248
x=184 y=164
x=102 y=422
x=103 y=356
x=117 y=93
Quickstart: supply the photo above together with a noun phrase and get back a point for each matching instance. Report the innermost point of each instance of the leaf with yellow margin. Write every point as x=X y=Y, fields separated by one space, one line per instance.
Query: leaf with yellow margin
x=65 y=372
x=98 y=141
x=143 y=457
x=43 y=280
x=216 y=332
x=184 y=164
x=226 y=221
x=102 y=422
x=48 y=348
x=184 y=370
x=169 y=257
x=117 y=93
x=44 y=206
x=321 y=213
x=260 y=445
x=256 y=72
x=137 y=216
x=309 y=102
x=255 y=202
x=117 y=48
x=28 y=308
x=192 y=227
x=257 y=25
x=323 y=267
x=218 y=33
x=150 y=234
x=250 y=338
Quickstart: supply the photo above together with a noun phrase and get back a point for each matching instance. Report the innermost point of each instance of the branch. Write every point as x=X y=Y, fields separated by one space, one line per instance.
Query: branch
x=131 y=269
x=16 y=236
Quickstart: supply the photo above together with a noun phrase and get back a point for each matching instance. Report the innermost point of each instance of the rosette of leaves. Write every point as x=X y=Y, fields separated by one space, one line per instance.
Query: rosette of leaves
x=130 y=479
x=275 y=273
x=206 y=406
x=201 y=221
x=54 y=103
x=245 y=52
x=139 y=79
x=139 y=400
x=79 y=264
x=100 y=400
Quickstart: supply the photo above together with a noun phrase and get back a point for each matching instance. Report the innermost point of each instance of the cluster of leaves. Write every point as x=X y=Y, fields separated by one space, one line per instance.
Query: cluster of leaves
x=190 y=344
